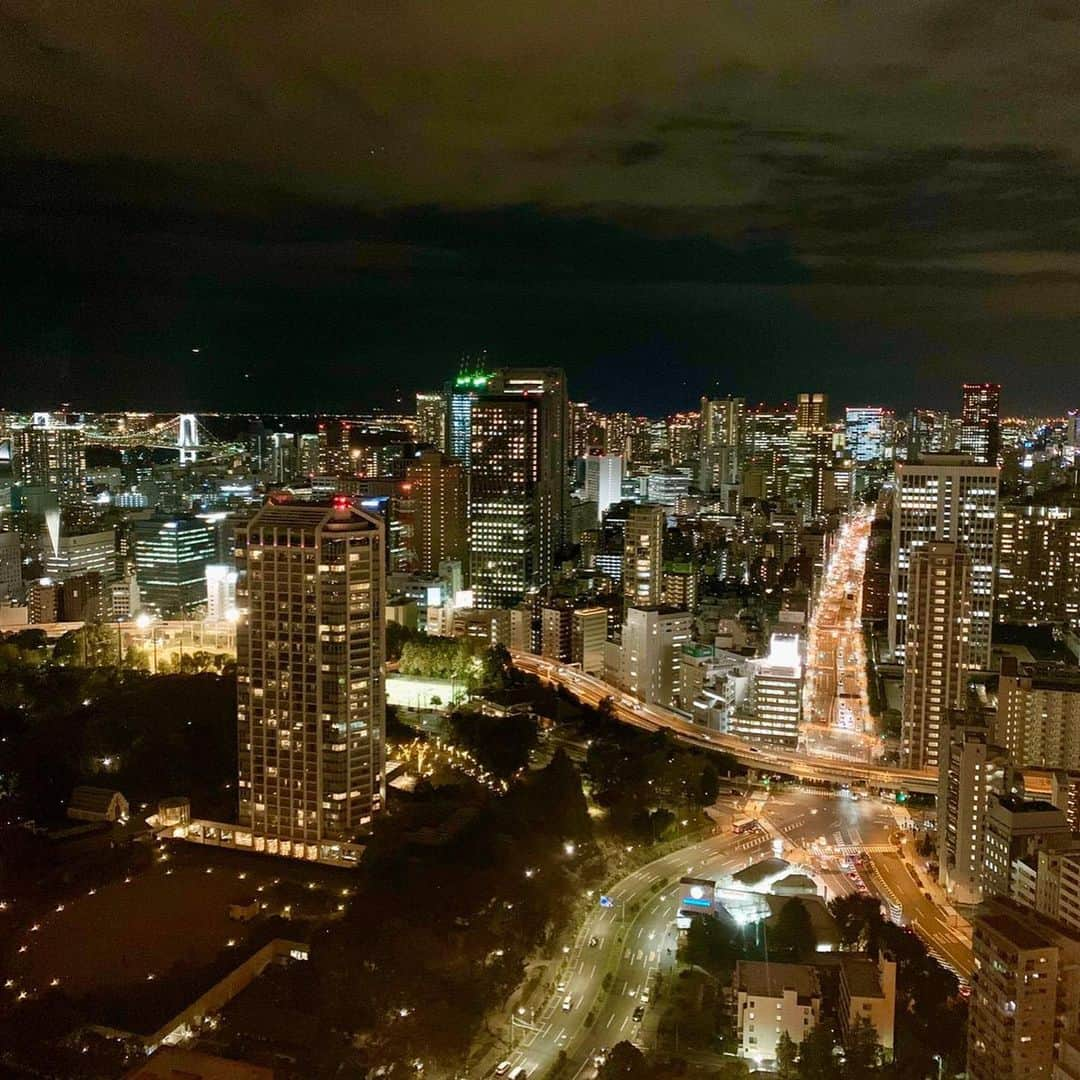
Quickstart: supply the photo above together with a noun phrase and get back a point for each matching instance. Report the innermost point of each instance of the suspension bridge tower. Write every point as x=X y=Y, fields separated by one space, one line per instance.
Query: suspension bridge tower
x=187 y=438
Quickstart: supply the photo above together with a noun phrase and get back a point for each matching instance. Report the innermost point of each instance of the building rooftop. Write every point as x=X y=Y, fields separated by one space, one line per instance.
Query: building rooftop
x=1014 y=930
x=766 y=979
x=759 y=872
x=862 y=977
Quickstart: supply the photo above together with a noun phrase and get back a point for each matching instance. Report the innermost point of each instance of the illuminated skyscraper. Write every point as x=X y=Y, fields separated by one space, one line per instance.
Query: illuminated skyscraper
x=52 y=457
x=1038 y=573
x=431 y=418
x=471 y=381
x=171 y=553
x=867 y=431
x=980 y=422
x=938 y=656
x=506 y=557
x=812 y=411
x=722 y=431
x=945 y=498
x=437 y=490
x=643 y=556
x=310 y=682
x=603 y=481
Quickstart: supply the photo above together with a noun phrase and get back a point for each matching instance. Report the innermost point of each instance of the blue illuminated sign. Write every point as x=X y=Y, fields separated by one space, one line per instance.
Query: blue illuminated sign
x=689 y=901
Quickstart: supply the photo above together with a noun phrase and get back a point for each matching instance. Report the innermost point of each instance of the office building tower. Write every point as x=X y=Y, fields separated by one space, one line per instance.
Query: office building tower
x=722 y=432
x=307 y=455
x=221 y=592
x=938 y=656
x=588 y=635
x=812 y=412
x=667 y=487
x=652 y=644
x=1038 y=569
x=776 y=694
x=980 y=422
x=438 y=492
x=547 y=387
x=768 y=438
x=867 y=430
x=51 y=457
x=1024 y=992
x=643 y=556
x=947 y=499
x=10 y=565
x=506 y=557
x=81 y=553
x=335 y=447
x=123 y=601
x=310 y=681
x=603 y=481
x=971 y=771
x=1038 y=714
x=431 y=420
x=284 y=459
x=472 y=380
x=171 y=553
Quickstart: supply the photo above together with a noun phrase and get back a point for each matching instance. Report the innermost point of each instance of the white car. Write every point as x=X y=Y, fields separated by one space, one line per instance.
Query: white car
x=502 y=1068
x=568 y=1003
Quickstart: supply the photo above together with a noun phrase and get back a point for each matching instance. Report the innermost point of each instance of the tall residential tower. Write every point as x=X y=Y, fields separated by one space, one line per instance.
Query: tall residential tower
x=310 y=692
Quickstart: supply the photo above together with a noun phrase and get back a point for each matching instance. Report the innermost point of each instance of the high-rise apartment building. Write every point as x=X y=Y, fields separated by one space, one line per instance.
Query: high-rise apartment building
x=980 y=422
x=1038 y=714
x=1024 y=993
x=171 y=553
x=310 y=680
x=1038 y=569
x=971 y=771
x=603 y=481
x=767 y=442
x=868 y=433
x=307 y=454
x=51 y=457
x=938 y=656
x=431 y=420
x=1017 y=829
x=643 y=556
x=812 y=411
x=945 y=498
x=438 y=493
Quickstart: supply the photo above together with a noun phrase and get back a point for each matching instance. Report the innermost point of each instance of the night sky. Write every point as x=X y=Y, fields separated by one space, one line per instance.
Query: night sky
x=333 y=201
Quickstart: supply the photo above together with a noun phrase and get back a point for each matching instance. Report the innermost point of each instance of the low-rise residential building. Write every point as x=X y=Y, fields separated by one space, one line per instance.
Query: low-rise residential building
x=770 y=1000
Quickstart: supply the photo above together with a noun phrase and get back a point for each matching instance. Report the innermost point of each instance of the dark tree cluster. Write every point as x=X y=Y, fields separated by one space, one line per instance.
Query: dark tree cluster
x=441 y=927
x=147 y=736
x=646 y=780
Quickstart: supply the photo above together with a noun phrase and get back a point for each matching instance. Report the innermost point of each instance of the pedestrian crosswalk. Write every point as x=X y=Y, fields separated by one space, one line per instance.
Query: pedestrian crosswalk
x=859 y=849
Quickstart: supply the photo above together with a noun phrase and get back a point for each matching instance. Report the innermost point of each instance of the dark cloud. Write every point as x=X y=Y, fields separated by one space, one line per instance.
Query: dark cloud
x=869 y=194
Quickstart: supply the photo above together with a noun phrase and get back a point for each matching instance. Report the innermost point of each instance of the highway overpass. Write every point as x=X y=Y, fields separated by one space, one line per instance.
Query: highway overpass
x=591 y=691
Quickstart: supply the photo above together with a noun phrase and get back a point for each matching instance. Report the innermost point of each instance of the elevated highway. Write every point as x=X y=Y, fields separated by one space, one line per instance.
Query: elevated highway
x=591 y=691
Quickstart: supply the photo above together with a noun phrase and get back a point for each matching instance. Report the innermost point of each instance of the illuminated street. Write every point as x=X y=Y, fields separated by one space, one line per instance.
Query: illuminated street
x=838 y=722
x=637 y=940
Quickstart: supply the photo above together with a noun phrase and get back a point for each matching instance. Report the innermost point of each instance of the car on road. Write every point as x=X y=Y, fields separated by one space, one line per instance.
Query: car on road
x=502 y=1068
x=594 y=941
x=560 y=986
x=517 y=1073
x=568 y=1002
x=644 y=996
x=600 y=1057
x=639 y=1013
